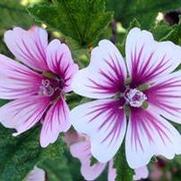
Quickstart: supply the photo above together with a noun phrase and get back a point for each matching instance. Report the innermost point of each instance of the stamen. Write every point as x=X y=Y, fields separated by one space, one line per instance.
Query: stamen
x=46 y=89
x=134 y=97
x=51 y=86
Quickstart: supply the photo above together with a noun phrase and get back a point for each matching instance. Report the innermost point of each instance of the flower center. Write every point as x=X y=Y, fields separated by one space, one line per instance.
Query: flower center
x=51 y=86
x=134 y=97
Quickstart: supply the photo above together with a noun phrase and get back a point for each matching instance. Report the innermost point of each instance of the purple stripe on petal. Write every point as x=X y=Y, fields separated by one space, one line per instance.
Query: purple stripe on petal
x=55 y=121
x=114 y=115
x=147 y=59
x=143 y=121
x=149 y=134
x=143 y=70
x=112 y=80
x=105 y=122
x=165 y=96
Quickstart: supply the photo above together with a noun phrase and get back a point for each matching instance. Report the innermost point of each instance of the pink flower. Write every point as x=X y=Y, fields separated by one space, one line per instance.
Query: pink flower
x=136 y=96
x=141 y=173
x=37 y=83
x=80 y=148
x=37 y=174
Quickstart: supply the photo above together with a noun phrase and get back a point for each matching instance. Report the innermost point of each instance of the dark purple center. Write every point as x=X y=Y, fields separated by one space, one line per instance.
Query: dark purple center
x=51 y=86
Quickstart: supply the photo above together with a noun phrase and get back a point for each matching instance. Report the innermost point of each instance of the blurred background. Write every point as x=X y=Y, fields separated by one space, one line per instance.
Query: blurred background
x=161 y=17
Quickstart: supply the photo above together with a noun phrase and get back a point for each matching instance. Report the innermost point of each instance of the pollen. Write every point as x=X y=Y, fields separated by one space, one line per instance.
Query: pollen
x=134 y=97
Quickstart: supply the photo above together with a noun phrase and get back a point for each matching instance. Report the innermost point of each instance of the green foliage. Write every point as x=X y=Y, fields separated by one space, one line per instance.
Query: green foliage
x=163 y=32
x=144 y=10
x=82 y=20
x=123 y=171
x=57 y=169
x=122 y=37
x=93 y=160
x=2 y=102
x=13 y=14
x=19 y=155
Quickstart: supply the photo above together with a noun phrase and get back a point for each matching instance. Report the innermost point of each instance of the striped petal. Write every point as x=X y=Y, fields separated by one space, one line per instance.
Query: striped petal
x=149 y=134
x=104 y=76
x=55 y=122
x=60 y=62
x=22 y=114
x=148 y=59
x=16 y=80
x=28 y=46
x=104 y=122
x=165 y=96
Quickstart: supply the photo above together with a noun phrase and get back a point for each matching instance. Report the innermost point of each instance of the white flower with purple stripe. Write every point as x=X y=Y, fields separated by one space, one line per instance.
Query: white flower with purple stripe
x=136 y=98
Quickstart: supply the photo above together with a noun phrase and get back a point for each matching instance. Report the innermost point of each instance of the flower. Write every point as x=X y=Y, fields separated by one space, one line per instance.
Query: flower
x=37 y=84
x=137 y=96
x=37 y=174
x=80 y=148
x=141 y=173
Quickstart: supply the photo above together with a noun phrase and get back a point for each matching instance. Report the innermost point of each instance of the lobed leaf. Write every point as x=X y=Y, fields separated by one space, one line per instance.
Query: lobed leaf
x=82 y=20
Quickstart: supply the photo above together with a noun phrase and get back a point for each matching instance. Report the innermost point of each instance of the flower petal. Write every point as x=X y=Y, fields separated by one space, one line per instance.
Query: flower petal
x=141 y=173
x=28 y=46
x=111 y=172
x=149 y=134
x=56 y=121
x=22 y=114
x=148 y=59
x=104 y=76
x=165 y=96
x=37 y=174
x=71 y=136
x=16 y=80
x=82 y=151
x=60 y=61
x=105 y=122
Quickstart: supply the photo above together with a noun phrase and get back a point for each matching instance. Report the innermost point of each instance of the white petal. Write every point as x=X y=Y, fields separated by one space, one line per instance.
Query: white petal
x=148 y=59
x=104 y=76
x=165 y=96
x=148 y=134
x=105 y=122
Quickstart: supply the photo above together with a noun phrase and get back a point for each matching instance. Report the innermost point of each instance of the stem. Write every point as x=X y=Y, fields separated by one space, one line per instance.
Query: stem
x=123 y=171
x=113 y=25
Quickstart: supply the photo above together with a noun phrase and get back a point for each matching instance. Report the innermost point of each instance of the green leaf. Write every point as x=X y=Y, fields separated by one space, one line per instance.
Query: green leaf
x=163 y=32
x=57 y=169
x=82 y=20
x=93 y=160
x=124 y=172
x=2 y=102
x=13 y=14
x=18 y=155
x=144 y=10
